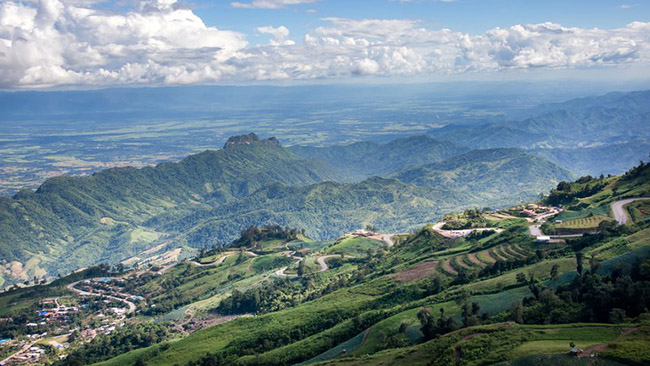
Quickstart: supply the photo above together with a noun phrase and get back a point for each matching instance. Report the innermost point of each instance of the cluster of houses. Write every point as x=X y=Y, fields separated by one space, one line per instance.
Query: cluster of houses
x=50 y=312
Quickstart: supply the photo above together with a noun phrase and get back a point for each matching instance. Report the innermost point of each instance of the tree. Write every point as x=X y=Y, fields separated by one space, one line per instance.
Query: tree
x=521 y=278
x=580 y=256
x=554 y=275
x=594 y=264
x=242 y=255
x=517 y=313
x=427 y=325
x=301 y=268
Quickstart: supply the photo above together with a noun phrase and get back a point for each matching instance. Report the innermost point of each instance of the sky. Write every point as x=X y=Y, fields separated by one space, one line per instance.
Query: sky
x=47 y=44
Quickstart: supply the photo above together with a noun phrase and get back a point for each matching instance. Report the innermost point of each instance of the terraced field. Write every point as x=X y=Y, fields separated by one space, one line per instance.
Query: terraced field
x=589 y=222
x=452 y=265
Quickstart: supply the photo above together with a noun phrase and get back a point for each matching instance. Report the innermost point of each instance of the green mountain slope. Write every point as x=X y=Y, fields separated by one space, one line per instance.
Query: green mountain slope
x=605 y=159
x=364 y=159
x=85 y=220
x=593 y=135
x=489 y=136
x=481 y=299
x=477 y=179
x=504 y=280
x=205 y=199
x=325 y=210
x=613 y=117
x=490 y=174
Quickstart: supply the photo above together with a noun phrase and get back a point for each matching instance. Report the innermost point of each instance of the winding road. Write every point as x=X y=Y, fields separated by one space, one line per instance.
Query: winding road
x=215 y=263
x=618 y=207
x=323 y=265
x=460 y=233
x=72 y=288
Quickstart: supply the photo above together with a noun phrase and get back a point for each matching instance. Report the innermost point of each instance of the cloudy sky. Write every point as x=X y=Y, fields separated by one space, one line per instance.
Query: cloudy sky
x=94 y=43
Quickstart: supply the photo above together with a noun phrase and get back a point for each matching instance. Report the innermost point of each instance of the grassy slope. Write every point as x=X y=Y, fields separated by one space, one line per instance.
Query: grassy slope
x=485 y=345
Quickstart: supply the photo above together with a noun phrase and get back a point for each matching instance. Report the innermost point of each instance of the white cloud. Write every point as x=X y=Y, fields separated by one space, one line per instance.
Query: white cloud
x=57 y=43
x=279 y=34
x=270 y=4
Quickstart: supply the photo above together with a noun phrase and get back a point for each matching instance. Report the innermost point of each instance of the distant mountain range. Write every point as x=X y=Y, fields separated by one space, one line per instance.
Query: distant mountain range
x=594 y=135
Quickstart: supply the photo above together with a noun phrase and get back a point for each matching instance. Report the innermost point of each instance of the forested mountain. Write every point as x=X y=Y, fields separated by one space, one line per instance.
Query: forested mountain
x=603 y=159
x=477 y=179
x=592 y=135
x=488 y=136
x=492 y=174
x=324 y=210
x=365 y=159
x=205 y=199
x=93 y=214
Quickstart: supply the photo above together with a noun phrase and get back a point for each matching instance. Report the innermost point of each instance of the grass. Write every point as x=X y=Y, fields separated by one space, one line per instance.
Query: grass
x=621 y=245
x=556 y=340
x=568 y=215
x=142 y=235
x=541 y=270
x=355 y=246
x=350 y=346
x=219 y=336
x=502 y=344
x=639 y=210
x=270 y=244
x=588 y=222
x=558 y=360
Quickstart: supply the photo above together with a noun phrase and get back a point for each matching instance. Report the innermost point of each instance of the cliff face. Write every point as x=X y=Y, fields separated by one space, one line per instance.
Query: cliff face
x=250 y=139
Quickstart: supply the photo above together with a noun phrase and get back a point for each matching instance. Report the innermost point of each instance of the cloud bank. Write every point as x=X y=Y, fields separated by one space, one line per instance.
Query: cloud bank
x=61 y=43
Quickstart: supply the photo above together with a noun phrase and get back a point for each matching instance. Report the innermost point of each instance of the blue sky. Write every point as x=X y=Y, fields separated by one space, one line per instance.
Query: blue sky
x=472 y=16
x=80 y=43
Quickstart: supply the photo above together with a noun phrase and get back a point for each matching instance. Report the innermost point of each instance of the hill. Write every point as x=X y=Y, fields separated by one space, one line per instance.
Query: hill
x=72 y=222
x=610 y=117
x=120 y=214
x=592 y=135
x=365 y=159
x=368 y=298
x=490 y=174
x=481 y=178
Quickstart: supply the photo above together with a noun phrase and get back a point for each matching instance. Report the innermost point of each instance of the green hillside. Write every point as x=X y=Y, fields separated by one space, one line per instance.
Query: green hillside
x=71 y=222
x=279 y=299
x=205 y=200
x=491 y=173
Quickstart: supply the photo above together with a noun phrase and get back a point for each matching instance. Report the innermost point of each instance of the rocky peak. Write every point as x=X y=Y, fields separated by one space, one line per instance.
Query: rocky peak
x=250 y=139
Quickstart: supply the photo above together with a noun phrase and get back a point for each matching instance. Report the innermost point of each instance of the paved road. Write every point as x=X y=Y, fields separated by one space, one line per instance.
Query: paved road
x=25 y=348
x=215 y=263
x=280 y=273
x=535 y=230
x=460 y=233
x=131 y=305
x=618 y=207
x=323 y=265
